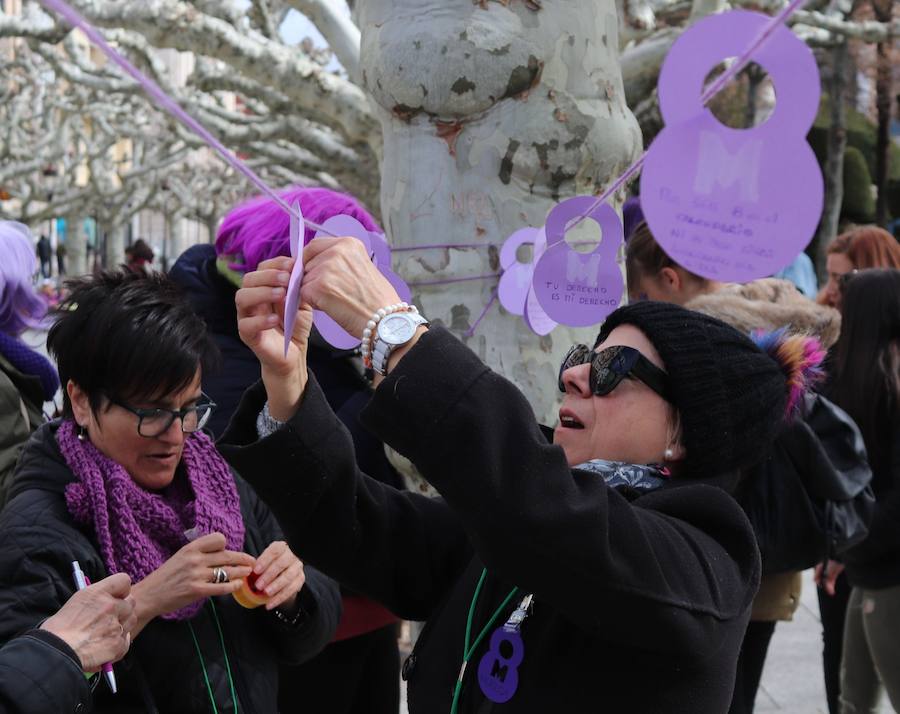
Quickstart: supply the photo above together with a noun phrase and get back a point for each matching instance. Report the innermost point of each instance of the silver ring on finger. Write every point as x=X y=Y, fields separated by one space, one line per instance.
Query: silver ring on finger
x=219 y=575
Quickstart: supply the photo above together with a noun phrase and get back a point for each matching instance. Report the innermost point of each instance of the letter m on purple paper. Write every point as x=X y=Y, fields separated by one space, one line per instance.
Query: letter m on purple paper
x=717 y=167
x=581 y=269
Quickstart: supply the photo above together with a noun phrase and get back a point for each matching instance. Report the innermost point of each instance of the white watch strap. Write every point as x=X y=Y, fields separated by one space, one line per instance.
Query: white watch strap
x=381 y=351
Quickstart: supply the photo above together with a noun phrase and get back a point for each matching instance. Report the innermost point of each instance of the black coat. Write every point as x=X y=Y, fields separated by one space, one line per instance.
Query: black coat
x=162 y=671
x=640 y=606
x=875 y=563
x=40 y=674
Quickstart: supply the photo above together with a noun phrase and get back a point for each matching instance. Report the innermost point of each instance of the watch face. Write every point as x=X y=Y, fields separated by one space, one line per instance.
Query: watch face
x=396 y=329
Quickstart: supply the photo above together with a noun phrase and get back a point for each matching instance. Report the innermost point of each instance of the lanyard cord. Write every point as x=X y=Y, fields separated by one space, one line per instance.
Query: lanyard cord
x=212 y=699
x=468 y=650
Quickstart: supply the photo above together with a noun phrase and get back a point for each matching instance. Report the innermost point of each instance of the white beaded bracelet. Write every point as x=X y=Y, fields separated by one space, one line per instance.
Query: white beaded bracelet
x=369 y=332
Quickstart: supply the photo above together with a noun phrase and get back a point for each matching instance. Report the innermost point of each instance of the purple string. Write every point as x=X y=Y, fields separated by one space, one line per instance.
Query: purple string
x=439 y=246
x=451 y=246
x=714 y=87
x=168 y=104
x=471 y=330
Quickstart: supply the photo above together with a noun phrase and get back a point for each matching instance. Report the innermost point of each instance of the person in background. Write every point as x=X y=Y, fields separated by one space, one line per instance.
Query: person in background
x=359 y=672
x=27 y=379
x=857 y=249
x=42 y=671
x=45 y=253
x=766 y=305
x=138 y=257
x=865 y=381
x=127 y=482
x=802 y=273
x=632 y=216
x=61 y=258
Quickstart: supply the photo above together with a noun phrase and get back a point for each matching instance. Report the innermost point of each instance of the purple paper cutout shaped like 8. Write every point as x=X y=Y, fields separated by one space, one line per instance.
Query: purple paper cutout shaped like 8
x=734 y=204
x=580 y=289
x=292 y=302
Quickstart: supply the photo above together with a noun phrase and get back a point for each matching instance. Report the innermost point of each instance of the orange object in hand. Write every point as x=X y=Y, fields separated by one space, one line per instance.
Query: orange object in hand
x=248 y=596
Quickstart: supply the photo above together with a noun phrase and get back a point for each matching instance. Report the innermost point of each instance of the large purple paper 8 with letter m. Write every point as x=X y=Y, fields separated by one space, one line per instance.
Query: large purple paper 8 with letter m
x=734 y=204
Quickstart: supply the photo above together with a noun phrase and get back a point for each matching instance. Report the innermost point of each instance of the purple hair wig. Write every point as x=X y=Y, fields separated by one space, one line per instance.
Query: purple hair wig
x=632 y=215
x=259 y=229
x=20 y=306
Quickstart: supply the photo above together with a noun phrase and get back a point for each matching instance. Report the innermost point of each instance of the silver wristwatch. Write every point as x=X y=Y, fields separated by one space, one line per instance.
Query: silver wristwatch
x=394 y=330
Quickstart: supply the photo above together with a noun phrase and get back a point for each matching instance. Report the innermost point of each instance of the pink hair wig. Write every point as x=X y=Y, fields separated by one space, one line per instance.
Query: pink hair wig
x=258 y=229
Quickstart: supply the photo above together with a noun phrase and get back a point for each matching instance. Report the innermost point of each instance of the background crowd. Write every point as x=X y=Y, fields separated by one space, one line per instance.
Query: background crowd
x=107 y=450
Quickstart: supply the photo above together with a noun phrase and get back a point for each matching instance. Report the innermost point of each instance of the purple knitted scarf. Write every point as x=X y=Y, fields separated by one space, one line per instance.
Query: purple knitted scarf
x=139 y=530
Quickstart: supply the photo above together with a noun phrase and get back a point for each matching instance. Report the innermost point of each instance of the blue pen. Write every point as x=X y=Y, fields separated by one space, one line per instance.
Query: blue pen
x=81 y=582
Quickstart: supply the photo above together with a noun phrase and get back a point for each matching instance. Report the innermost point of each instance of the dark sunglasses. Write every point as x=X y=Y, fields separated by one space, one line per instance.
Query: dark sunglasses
x=611 y=366
x=155 y=422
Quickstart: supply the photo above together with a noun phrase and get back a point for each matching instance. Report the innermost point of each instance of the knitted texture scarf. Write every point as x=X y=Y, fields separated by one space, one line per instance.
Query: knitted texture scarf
x=139 y=530
x=27 y=361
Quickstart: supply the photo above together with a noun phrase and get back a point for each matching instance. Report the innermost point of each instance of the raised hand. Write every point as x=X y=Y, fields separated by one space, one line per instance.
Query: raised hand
x=280 y=575
x=260 y=306
x=97 y=622
x=342 y=281
x=188 y=576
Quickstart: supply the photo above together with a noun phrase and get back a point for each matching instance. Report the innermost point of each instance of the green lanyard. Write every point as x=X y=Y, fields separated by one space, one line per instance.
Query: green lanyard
x=468 y=650
x=212 y=699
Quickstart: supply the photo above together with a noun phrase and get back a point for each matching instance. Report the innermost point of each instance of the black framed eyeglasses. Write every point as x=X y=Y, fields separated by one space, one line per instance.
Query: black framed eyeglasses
x=610 y=366
x=155 y=422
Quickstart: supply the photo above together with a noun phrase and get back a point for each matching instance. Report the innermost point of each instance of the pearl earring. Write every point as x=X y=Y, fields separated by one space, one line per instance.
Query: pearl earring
x=668 y=453
x=82 y=433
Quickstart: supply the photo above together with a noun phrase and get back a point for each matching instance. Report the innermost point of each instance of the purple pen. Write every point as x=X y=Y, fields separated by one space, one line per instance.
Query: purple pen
x=81 y=582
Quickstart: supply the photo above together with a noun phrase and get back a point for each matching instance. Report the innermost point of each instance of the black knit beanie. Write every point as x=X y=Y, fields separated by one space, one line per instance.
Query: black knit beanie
x=731 y=395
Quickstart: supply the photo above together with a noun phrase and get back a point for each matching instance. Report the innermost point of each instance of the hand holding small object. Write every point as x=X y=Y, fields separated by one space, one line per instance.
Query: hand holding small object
x=97 y=621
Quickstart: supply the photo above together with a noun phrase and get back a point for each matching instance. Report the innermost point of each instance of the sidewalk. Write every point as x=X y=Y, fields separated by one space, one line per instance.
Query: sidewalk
x=792 y=680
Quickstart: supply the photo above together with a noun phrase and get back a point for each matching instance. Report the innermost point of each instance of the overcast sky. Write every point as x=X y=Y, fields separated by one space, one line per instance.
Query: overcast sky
x=295 y=27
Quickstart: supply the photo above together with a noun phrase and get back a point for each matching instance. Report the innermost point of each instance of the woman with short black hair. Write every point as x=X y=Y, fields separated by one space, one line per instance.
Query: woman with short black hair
x=128 y=482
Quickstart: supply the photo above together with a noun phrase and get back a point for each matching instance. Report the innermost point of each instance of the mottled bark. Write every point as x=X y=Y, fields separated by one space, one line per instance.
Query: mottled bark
x=492 y=113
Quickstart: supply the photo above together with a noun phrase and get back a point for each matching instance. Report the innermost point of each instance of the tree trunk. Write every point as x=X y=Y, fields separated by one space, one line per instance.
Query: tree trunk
x=492 y=112
x=76 y=246
x=114 y=250
x=883 y=85
x=834 y=162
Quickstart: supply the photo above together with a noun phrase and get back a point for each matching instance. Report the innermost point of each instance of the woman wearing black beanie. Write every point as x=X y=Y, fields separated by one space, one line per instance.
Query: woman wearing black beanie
x=603 y=569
